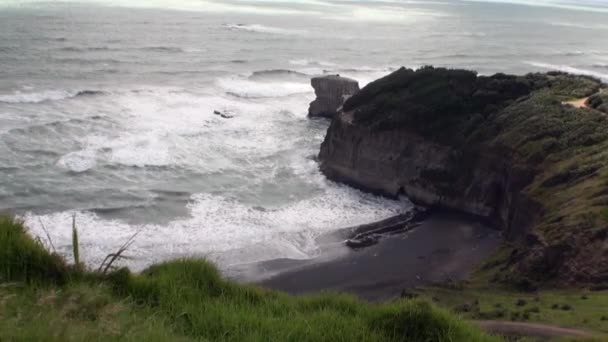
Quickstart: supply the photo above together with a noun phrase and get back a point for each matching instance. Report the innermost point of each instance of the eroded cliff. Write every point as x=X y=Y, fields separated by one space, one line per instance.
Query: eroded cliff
x=503 y=147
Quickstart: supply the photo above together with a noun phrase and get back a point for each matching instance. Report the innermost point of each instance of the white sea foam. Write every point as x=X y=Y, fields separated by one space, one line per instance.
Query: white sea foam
x=167 y=126
x=569 y=69
x=79 y=161
x=45 y=95
x=585 y=26
x=219 y=227
x=267 y=141
x=36 y=97
x=392 y=14
x=307 y=62
x=257 y=28
x=251 y=89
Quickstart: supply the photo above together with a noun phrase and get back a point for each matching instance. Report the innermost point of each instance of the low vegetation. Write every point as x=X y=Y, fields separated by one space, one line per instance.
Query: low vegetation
x=43 y=298
x=583 y=309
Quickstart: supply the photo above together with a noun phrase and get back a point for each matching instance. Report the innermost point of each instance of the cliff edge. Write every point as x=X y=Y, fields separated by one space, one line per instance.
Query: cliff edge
x=502 y=147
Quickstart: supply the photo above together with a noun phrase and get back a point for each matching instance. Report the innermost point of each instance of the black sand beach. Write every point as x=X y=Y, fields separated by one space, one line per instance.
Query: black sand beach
x=446 y=246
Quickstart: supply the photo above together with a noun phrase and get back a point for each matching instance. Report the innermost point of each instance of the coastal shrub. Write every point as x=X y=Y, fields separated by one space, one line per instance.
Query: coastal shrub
x=23 y=259
x=521 y=302
x=534 y=309
x=566 y=307
x=419 y=321
x=569 y=86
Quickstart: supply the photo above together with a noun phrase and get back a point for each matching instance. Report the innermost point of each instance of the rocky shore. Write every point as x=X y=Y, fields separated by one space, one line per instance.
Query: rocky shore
x=504 y=148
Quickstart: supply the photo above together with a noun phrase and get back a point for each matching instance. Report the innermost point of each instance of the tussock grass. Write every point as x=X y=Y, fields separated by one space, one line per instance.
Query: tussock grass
x=23 y=259
x=189 y=300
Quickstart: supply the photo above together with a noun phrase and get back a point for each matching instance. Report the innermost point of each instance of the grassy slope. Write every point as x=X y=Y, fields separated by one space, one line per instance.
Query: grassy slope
x=41 y=298
x=567 y=308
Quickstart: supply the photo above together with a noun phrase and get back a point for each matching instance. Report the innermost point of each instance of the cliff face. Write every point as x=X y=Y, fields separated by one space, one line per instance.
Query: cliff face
x=500 y=147
x=400 y=162
x=331 y=92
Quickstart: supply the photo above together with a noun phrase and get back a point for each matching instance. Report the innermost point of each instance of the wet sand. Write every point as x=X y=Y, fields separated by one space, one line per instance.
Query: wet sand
x=444 y=247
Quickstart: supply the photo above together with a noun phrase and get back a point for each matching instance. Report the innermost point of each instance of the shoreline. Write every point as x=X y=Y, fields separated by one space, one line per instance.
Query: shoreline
x=443 y=247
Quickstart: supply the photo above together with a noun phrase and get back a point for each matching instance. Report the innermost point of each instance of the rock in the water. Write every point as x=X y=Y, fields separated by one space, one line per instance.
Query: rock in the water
x=331 y=92
x=364 y=241
x=599 y=101
x=370 y=234
x=223 y=114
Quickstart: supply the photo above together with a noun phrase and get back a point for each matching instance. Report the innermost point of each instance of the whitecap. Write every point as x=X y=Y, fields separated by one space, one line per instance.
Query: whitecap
x=46 y=95
x=279 y=74
x=257 y=28
x=251 y=89
x=585 y=26
x=569 y=69
x=306 y=62
x=79 y=161
x=36 y=97
x=218 y=227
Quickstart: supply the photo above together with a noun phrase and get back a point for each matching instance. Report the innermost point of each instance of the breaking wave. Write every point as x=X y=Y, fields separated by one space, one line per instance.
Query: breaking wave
x=250 y=89
x=278 y=74
x=47 y=95
x=569 y=69
x=256 y=28
x=306 y=62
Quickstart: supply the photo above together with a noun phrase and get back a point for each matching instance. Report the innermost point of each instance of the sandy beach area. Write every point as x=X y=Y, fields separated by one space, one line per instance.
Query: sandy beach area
x=444 y=247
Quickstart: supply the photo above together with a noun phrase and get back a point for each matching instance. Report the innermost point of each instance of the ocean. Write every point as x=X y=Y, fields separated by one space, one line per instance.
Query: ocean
x=107 y=111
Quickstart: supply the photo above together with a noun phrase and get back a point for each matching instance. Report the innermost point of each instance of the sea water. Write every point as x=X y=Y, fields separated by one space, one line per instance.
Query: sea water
x=107 y=111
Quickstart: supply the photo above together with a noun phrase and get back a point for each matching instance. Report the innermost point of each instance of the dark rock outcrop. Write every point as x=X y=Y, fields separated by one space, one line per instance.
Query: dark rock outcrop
x=599 y=101
x=331 y=92
x=369 y=234
x=223 y=114
x=500 y=147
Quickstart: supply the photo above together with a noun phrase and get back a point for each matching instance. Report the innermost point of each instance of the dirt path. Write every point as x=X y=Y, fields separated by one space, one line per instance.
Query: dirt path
x=508 y=328
x=580 y=103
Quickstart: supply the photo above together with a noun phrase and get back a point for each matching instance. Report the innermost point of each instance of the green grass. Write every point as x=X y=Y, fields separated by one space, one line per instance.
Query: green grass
x=189 y=300
x=25 y=260
x=587 y=310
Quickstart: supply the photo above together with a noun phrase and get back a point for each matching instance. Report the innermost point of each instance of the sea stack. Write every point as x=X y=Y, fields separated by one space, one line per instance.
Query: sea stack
x=331 y=92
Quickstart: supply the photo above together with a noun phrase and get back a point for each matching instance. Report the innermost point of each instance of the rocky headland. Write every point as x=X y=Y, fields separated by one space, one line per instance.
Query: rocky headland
x=505 y=148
